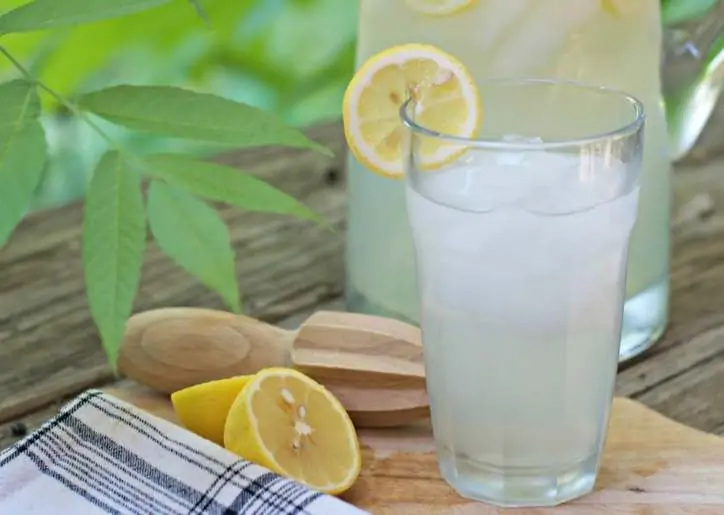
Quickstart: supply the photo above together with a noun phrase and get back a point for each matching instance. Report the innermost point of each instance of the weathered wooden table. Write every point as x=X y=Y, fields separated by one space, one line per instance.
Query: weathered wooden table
x=49 y=350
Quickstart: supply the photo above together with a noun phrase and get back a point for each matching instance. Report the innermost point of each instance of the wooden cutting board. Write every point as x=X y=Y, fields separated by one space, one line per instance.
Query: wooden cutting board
x=651 y=466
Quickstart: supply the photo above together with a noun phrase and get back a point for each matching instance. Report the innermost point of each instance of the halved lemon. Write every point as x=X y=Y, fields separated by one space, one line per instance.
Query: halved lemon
x=290 y=424
x=202 y=408
x=440 y=7
x=446 y=97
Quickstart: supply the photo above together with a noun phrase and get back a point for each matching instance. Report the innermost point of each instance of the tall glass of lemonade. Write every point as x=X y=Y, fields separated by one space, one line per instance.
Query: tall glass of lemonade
x=520 y=235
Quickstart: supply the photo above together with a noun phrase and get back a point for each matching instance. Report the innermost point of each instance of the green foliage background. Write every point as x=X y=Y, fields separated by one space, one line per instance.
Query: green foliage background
x=291 y=57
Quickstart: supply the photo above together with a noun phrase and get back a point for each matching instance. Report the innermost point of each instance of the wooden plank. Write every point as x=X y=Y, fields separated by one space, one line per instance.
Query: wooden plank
x=15 y=430
x=651 y=465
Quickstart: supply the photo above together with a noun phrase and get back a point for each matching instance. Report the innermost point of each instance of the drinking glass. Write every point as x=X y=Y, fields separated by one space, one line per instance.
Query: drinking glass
x=521 y=238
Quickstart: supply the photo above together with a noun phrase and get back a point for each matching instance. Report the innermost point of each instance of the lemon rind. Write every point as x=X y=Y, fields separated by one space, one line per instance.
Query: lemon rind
x=458 y=9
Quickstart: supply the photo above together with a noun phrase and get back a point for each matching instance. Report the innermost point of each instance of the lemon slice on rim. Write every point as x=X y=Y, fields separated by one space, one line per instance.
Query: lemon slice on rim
x=290 y=424
x=446 y=96
x=440 y=7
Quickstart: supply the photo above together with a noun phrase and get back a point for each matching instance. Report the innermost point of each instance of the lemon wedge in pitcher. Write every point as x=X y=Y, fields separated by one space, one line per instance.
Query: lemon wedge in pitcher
x=440 y=7
x=621 y=8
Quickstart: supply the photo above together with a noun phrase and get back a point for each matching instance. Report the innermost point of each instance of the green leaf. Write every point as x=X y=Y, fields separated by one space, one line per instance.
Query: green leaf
x=19 y=103
x=86 y=56
x=46 y=14
x=187 y=114
x=196 y=4
x=225 y=184
x=114 y=240
x=194 y=236
x=23 y=152
x=680 y=11
x=713 y=57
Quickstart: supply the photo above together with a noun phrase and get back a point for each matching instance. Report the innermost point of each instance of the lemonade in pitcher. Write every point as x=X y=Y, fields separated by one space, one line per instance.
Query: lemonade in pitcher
x=613 y=43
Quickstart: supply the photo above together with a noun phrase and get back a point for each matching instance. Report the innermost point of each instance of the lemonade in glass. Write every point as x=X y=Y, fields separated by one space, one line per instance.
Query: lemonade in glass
x=520 y=238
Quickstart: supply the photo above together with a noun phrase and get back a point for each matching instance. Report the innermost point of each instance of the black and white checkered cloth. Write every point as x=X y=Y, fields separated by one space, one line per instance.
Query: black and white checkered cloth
x=101 y=455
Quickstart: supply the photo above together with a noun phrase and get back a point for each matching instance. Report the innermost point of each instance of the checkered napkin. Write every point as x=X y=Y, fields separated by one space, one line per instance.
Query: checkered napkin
x=101 y=455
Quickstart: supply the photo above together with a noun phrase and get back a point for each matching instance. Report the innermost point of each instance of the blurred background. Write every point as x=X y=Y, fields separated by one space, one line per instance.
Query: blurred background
x=291 y=57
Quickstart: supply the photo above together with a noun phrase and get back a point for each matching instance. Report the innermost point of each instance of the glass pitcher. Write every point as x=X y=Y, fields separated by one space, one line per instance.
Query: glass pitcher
x=615 y=43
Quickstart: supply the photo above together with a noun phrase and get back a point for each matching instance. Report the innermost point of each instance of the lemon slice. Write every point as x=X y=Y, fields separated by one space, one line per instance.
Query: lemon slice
x=290 y=424
x=440 y=7
x=202 y=408
x=447 y=101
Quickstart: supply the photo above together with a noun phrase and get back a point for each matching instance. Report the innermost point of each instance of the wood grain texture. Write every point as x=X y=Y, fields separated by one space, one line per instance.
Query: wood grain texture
x=651 y=466
x=49 y=347
x=373 y=365
x=169 y=349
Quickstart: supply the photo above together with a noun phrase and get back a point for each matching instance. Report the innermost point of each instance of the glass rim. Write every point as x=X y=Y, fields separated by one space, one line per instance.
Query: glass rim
x=628 y=129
